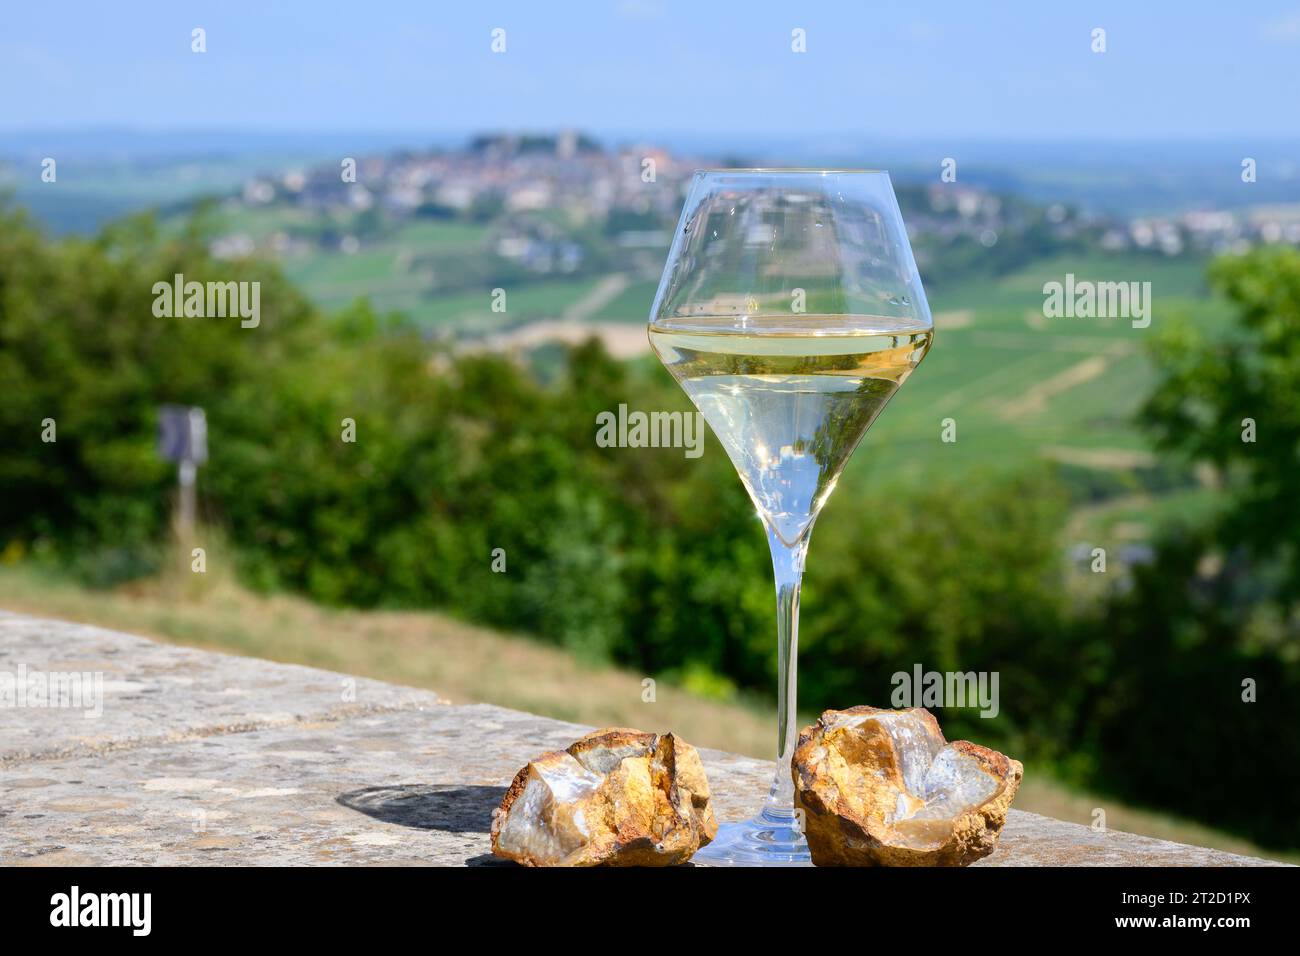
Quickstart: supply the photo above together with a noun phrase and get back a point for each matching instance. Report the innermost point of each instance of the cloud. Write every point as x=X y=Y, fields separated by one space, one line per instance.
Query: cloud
x=1284 y=29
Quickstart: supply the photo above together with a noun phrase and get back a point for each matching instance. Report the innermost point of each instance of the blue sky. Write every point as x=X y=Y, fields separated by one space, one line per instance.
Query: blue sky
x=1019 y=70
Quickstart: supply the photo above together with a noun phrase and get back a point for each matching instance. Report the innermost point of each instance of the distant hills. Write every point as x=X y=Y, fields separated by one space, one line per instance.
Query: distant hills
x=106 y=173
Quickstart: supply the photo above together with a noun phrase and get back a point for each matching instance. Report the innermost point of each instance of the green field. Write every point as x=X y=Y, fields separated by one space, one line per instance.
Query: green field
x=409 y=270
x=1019 y=387
x=632 y=304
x=1022 y=388
x=439 y=273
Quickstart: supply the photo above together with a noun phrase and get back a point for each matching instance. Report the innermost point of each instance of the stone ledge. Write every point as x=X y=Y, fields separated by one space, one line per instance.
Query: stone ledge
x=206 y=758
x=160 y=693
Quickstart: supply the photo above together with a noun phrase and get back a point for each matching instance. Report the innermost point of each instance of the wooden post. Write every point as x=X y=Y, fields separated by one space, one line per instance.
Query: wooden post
x=188 y=471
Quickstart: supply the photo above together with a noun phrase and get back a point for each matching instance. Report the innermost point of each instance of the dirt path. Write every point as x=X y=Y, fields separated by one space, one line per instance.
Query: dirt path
x=1101 y=458
x=1036 y=398
x=623 y=340
x=953 y=319
x=606 y=291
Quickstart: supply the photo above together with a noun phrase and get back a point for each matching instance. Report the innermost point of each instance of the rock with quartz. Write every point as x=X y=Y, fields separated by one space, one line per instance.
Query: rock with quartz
x=884 y=788
x=616 y=797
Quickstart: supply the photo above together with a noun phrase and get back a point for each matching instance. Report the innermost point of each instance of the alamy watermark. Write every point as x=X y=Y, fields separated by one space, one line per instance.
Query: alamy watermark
x=922 y=688
x=71 y=690
x=130 y=910
x=181 y=299
x=624 y=429
x=1084 y=299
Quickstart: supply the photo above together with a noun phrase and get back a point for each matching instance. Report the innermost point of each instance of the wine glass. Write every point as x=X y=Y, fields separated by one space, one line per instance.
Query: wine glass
x=790 y=311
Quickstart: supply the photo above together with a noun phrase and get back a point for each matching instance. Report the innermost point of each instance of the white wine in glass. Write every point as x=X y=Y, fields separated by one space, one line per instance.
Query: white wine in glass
x=790 y=312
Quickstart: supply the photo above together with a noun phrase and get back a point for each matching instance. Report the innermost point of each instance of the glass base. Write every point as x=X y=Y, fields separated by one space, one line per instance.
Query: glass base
x=770 y=839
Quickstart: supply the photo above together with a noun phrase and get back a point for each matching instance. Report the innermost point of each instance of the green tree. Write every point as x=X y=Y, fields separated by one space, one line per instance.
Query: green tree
x=1230 y=401
x=80 y=345
x=1201 y=657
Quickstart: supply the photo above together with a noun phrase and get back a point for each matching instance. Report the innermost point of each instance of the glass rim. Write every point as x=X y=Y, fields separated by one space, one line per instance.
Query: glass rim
x=804 y=170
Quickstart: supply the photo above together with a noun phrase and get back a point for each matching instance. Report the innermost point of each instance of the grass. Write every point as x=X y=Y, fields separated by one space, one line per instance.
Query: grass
x=464 y=663
x=546 y=299
x=632 y=304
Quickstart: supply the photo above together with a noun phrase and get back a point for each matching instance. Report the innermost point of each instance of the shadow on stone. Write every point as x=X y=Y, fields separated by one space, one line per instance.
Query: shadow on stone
x=432 y=806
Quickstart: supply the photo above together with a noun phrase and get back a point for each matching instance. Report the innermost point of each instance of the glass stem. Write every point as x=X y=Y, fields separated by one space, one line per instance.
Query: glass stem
x=787 y=566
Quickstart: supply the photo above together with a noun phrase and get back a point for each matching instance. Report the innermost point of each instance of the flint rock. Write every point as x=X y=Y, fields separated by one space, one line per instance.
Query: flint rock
x=884 y=788
x=616 y=797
